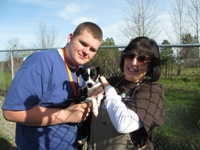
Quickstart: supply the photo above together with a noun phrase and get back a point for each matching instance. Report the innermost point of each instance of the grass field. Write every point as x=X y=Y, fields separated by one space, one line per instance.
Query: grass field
x=182 y=129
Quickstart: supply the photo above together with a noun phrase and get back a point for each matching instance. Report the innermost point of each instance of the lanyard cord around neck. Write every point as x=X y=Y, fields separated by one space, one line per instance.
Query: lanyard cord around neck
x=70 y=73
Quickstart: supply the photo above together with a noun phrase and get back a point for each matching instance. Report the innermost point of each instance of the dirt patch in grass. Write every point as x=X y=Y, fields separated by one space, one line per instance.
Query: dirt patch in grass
x=7 y=131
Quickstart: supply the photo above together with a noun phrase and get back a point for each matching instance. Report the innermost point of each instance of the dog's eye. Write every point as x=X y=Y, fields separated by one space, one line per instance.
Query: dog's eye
x=94 y=77
x=85 y=76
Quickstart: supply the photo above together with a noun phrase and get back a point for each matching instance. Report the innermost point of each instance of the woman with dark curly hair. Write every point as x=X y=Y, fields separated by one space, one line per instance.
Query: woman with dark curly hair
x=134 y=103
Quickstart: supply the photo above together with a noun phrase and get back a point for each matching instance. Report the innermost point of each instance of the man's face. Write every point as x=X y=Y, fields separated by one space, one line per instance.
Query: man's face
x=82 y=48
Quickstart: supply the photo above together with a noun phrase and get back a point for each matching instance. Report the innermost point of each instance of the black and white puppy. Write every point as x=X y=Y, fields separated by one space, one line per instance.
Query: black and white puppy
x=90 y=76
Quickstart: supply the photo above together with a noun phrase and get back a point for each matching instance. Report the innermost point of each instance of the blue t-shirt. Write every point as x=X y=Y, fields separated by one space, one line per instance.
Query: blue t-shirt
x=42 y=80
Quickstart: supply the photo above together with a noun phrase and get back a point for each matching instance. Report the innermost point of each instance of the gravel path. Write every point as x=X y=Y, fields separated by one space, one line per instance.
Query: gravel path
x=6 y=128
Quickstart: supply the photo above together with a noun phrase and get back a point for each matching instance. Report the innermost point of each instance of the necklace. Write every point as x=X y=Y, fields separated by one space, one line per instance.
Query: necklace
x=125 y=87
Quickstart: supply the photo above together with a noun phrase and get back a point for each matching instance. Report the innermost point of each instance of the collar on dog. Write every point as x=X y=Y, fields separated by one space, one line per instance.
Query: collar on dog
x=70 y=73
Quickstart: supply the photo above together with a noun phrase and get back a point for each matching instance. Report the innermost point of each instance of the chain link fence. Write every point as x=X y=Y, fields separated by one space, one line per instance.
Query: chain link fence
x=180 y=78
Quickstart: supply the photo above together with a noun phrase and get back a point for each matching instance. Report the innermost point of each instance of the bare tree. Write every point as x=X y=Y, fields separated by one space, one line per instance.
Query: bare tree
x=194 y=21
x=194 y=17
x=141 y=19
x=46 y=38
x=14 y=57
x=14 y=44
x=178 y=18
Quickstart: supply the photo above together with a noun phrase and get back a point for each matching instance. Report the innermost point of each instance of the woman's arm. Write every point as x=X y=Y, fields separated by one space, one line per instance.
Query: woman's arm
x=124 y=119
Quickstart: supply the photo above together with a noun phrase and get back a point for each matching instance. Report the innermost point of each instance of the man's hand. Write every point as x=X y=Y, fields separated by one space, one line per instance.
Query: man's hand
x=76 y=113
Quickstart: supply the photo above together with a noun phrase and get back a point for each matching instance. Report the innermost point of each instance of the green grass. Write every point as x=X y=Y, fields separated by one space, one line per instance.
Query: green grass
x=5 y=80
x=181 y=129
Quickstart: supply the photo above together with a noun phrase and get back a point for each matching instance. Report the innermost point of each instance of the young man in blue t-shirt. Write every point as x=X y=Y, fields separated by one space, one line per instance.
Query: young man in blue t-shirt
x=39 y=97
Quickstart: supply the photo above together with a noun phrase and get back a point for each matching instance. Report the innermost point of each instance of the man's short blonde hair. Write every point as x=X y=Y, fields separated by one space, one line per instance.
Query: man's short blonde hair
x=92 y=28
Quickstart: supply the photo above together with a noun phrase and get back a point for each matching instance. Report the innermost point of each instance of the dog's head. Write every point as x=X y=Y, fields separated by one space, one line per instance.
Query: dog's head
x=90 y=75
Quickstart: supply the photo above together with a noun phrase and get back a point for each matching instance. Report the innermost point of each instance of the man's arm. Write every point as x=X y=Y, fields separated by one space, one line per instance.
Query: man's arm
x=42 y=116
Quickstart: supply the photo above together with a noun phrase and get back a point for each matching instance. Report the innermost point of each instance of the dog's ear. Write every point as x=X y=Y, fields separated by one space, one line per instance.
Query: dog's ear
x=78 y=72
x=100 y=71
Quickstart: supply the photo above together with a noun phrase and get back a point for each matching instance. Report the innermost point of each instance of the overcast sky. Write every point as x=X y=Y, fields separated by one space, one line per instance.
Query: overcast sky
x=20 y=18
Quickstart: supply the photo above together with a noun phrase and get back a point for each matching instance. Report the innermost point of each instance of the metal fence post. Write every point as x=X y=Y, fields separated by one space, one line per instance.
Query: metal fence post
x=12 y=64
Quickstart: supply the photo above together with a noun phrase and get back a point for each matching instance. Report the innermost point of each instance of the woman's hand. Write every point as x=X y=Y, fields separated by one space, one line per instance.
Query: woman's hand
x=110 y=91
x=104 y=82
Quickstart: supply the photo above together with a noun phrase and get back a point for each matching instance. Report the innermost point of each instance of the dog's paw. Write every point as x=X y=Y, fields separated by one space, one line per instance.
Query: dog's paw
x=95 y=112
x=82 y=141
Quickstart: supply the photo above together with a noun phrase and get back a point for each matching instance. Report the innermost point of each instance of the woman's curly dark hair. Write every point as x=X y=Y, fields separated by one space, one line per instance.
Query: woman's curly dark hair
x=148 y=47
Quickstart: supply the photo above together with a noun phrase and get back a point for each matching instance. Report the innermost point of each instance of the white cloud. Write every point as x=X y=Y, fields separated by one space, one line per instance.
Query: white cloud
x=76 y=21
x=114 y=31
x=72 y=10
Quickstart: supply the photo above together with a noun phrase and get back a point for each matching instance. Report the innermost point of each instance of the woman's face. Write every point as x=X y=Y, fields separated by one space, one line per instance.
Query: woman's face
x=135 y=66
